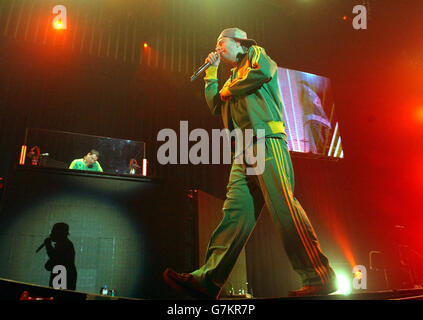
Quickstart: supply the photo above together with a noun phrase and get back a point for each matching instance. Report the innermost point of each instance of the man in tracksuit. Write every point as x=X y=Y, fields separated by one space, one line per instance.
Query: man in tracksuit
x=250 y=99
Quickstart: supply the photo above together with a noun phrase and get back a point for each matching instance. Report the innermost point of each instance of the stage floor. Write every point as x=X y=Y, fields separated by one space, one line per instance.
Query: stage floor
x=12 y=290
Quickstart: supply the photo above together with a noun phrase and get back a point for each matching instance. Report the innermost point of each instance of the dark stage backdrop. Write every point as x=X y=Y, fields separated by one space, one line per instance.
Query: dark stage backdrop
x=125 y=230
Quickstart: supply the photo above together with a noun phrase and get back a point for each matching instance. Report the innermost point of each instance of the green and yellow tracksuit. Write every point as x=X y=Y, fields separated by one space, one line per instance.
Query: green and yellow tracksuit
x=256 y=104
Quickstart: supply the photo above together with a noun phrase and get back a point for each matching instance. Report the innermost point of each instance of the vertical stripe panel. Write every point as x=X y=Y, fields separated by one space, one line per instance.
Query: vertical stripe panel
x=9 y=17
x=293 y=113
x=18 y=22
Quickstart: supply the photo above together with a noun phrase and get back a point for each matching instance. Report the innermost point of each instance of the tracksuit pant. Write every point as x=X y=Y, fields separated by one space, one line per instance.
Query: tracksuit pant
x=245 y=197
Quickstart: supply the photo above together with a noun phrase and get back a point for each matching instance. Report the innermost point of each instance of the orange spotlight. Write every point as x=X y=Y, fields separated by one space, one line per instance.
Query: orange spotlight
x=419 y=114
x=145 y=45
x=343 y=242
x=358 y=274
x=58 y=25
x=23 y=154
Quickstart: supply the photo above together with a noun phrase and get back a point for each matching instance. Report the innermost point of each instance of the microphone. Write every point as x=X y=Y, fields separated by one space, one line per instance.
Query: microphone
x=201 y=69
x=40 y=247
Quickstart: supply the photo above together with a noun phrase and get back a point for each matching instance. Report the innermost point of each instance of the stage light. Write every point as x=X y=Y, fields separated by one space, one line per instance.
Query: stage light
x=23 y=155
x=145 y=45
x=58 y=25
x=144 y=167
x=419 y=114
x=344 y=284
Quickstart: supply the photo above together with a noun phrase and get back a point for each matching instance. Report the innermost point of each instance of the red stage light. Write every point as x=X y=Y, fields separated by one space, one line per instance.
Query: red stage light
x=23 y=154
x=419 y=114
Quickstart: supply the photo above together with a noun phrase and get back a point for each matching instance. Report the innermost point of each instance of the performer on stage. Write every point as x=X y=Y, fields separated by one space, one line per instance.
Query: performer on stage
x=89 y=162
x=250 y=99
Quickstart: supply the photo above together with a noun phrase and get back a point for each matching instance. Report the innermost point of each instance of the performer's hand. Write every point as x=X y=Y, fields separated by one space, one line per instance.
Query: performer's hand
x=213 y=58
x=225 y=94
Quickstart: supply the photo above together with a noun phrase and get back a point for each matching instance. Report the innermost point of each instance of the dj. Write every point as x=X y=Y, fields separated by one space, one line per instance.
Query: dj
x=88 y=162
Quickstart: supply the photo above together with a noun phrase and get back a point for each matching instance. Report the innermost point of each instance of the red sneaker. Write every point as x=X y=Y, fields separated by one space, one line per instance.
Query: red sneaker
x=310 y=291
x=186 y=284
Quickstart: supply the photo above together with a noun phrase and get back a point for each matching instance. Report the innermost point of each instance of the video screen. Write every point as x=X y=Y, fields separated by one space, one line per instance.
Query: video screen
x=309 y=112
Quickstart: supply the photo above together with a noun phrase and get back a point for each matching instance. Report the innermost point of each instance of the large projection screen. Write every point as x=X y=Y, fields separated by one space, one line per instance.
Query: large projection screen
x=309 y=113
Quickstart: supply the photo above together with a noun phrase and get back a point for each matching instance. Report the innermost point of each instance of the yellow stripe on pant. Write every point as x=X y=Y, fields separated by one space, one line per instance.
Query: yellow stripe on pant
x=316 y=249
x=244 y=200
x=301 y=229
